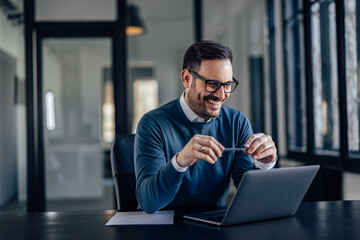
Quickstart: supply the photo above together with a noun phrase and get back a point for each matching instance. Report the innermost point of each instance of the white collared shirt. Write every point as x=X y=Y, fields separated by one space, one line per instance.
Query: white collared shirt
x=190 y=114
x=193 y=117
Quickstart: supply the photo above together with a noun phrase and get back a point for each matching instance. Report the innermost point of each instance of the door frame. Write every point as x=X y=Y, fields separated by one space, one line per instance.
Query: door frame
x=35 y=33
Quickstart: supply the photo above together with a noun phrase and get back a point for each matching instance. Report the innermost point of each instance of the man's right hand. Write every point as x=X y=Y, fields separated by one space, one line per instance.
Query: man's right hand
x=200 y=147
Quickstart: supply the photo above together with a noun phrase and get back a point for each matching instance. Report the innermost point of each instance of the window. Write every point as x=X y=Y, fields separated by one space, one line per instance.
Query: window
x=324 y=74
x=146 y=98
x=322 y=71
x=352 y=56
x=295 y=75
x=108 y=107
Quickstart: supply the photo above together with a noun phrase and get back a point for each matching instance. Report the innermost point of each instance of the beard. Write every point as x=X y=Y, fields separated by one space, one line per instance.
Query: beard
x=198 y=105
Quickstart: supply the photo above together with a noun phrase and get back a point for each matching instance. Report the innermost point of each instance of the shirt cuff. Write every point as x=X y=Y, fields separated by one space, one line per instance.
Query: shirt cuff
x=264 y=166
x=177 y=166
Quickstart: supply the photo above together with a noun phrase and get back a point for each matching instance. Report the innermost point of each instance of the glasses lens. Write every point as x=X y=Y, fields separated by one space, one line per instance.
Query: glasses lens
x=229 y=87
x=212 y=86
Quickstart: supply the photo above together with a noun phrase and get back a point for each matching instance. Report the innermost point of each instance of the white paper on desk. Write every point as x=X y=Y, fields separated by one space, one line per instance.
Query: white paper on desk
x=142 y=218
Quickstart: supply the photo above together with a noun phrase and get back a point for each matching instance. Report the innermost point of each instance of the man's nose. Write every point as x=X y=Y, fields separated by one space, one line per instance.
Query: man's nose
x=220 y=93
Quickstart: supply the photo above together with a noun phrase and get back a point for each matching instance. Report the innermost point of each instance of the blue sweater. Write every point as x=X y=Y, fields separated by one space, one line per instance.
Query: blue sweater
x=162 y=133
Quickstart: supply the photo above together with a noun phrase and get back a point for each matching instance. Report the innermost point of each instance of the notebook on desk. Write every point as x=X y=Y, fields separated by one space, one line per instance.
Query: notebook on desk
x=263 y=195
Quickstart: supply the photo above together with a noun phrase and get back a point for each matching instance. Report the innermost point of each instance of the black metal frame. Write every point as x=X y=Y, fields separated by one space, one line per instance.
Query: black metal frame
x=218 y=83
x=341 y=160
x=198 y=20
x=35 y=167
x=272 y=73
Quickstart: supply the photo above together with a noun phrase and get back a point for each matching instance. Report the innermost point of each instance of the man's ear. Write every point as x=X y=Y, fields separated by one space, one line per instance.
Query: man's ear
x=186 y=78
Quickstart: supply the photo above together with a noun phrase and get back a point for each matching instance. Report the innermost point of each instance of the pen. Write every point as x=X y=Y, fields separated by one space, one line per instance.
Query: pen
x=235 y=149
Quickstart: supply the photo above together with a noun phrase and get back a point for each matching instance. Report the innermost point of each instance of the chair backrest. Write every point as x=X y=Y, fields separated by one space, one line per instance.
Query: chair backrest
x=123 y=172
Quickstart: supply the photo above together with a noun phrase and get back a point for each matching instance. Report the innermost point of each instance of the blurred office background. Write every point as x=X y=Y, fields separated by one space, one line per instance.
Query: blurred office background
x=87 y=78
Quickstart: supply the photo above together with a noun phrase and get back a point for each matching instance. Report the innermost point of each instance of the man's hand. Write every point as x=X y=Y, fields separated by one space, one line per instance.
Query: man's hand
x=261 y=147
x=200 y=147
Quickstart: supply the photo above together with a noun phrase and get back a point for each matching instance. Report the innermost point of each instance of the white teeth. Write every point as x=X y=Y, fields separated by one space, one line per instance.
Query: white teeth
x=213 y=102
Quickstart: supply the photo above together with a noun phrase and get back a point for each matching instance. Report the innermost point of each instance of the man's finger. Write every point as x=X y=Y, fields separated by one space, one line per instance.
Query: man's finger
x=252 y=138
x=205 y=157
x=263 y=147
x=213 y=144
x=209 y=152
x=266 y=153
x=257 y=143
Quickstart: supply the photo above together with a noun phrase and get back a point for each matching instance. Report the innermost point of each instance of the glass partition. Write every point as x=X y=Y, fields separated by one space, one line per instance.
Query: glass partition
x=75 y=93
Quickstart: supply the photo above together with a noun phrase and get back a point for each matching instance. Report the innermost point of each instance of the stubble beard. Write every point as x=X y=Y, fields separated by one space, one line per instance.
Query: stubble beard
x=200 y=108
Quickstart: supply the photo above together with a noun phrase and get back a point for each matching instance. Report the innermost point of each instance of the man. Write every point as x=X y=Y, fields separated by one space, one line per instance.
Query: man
x=179 y=147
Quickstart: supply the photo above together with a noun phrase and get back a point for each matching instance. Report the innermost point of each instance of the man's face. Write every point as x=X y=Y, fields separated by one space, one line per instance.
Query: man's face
x=207 y=105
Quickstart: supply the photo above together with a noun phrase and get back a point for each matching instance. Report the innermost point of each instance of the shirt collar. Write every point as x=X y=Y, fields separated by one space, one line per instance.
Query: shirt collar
x=190 y=114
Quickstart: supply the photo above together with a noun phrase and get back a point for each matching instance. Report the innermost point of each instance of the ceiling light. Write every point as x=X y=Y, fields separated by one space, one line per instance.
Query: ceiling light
x=135 y=25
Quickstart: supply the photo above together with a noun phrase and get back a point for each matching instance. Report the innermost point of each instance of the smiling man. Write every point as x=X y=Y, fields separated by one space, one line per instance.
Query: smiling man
x=179 y=147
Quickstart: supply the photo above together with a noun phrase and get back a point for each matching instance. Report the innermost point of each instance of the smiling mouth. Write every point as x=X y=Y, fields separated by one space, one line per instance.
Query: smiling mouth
x=216 y=103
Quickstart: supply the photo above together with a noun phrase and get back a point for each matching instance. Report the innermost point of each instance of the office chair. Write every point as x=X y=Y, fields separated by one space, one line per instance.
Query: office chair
x=123 y=172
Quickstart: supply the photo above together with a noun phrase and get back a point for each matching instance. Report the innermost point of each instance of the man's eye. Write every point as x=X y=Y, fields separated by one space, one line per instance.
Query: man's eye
x=212 y=85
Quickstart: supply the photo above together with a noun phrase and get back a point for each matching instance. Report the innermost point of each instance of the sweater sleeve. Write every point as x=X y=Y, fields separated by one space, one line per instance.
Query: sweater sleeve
x=157 y=181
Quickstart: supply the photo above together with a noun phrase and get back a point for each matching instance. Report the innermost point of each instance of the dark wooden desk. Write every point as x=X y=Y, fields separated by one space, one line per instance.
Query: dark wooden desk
x=318 y=220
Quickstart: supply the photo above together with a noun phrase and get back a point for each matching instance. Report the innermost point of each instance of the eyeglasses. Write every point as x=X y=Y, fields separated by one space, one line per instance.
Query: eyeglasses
x=214 y=85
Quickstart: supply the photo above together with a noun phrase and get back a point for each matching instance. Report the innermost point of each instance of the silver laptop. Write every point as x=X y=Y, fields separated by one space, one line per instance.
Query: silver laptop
x=263 y=195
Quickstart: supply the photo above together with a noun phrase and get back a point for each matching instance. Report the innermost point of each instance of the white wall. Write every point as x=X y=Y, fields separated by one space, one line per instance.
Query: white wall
x=240 y=25
x=11 y=42
x=229 y=22
x=351 y=189
x=8 y=187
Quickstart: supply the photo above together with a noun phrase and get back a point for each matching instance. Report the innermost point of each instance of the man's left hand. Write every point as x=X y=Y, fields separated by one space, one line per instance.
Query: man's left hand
x=261 y=147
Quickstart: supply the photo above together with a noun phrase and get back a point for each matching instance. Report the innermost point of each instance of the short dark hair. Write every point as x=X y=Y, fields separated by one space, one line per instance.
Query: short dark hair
x=204 y=50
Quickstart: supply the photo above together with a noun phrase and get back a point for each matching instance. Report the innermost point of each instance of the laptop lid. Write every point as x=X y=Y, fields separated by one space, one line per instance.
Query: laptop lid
x=265 y=194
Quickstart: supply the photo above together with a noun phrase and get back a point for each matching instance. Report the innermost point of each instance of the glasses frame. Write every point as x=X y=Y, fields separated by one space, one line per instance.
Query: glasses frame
x=219 y=84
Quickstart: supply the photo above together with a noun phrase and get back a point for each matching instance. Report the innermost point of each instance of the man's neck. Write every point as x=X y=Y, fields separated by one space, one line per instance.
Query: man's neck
x=190 y=113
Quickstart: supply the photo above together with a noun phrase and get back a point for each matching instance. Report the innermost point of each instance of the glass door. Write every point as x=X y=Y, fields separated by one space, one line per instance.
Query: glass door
x=78 y=122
